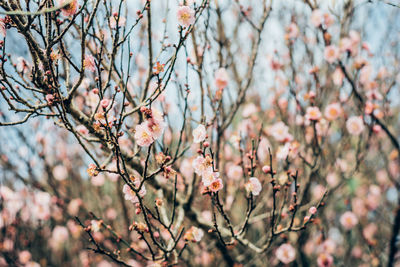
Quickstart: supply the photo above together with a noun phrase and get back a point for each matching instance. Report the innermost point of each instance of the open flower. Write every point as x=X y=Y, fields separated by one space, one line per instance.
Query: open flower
x=332 y=111
x=185 y=16
x=253 y=186
x=331 y=53
x=199 y=134
x=89 y=63
x=143 y=135
x=313 y=113
x=194 y=234
x=286 y=253
x=348 y=220
x=216 y=185
x=131 y=195
x=355 y=125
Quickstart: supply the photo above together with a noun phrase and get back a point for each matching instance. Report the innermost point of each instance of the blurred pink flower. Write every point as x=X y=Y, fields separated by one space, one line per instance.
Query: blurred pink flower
x=355 y=125
x=221 y=78
x=185 y=16
x=286 y=253
x=89 y=63
x=317 y=17
x=253 y=186
x=331 y=53
x=199 y=134
x=313 y=113
x=348 y=220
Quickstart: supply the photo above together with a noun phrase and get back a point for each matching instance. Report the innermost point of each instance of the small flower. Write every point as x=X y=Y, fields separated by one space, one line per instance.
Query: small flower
x=3 y=30
x=313 y=113
x=105 y=103
x=253 y=186
x=194 y=234
x=280 y=132
x=131 y=195
x=158 y=68
x=331 y=53
x=266 y=169
x=312 y=210
x=199 y=134
x=113 y=21
x=348 y=220
x=209 y=176
x=89 y=63
x=286 y=253
x=317 y=18
x=185 y=16
x=143 y=135
x=92 y=170
x=216 y=185
x=221 y=78
x=355 y=125
x=332 y=111
x=202 y=165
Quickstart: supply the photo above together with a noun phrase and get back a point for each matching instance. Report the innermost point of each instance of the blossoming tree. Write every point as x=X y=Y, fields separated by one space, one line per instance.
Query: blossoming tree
x=199 y=133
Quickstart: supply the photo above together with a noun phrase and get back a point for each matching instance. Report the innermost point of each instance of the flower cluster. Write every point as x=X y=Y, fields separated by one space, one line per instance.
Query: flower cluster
x=151 y=128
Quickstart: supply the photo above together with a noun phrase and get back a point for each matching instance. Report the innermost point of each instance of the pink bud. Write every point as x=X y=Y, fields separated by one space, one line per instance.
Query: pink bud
x=266 y=169
x=104 y=103
x=95 y=91
x=312 y=210
x=50 y=98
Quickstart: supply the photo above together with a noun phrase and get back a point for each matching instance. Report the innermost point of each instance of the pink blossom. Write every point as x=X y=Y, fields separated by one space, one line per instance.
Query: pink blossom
x=3 y=30
x=143 y=136
x=22 y=65
x=328 y=19
x=338 y=77
x=253 y=186
x=104 y=103
x=73 y=206
x=355 y=125
x=221 y=78
x=199 y=134
x=194 y=234
x=286 y=253
x=156 y=128
x=332 y=111
x=82 y=129
x=324 y=260
x=317 y=17
x=293 y=30
x=234 y=172
x=313 y=113
x=24 y=256
x=70 y=9
x=266 y=169
x=185 y=16
x=348 y=220
x=59 y=236
x=50 y=98
x=201 y=165
x=331 y=53
x=113 y=22
x=280 y=132
x=131 y=195
x=209 y=176
x=89 y=63
x=60 y=172
x=312 y=210
x=216 y=185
